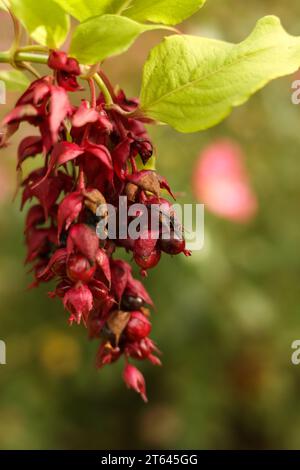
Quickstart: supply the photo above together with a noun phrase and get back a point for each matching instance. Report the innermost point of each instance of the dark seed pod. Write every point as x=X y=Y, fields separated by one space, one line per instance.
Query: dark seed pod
x=129 y=302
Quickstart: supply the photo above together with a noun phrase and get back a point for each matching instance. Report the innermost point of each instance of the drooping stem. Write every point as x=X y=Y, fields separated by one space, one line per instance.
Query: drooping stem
x=30 y=68
x=30 y=55
x=23 y=56
x=107 y=83
x=103 y=88
x=93 y=92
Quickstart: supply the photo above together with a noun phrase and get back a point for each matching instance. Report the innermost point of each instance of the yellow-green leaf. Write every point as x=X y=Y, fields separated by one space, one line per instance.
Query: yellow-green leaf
x=46 y=22
x=105 y=36
x=84 y=9
x=162 y=11
x=192 y=83
x=15 y=80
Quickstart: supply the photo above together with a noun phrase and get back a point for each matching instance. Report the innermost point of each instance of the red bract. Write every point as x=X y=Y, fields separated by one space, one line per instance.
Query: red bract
x=67 y=69
x=90 y=155
x=83 y=239
x=78 y=300
x=134 y=379
x=79 y=268
x=68 y=210
x=29 y=147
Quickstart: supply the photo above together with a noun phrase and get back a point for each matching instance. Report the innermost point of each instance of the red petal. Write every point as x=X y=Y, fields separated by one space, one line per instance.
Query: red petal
x=20 y=113
x=34 y=217
x=62 y=153
x=59 y=109
x=29 y=147
x=120 y=272
x=84 y=115
x=165 y=185
x=120 y=156
x=58 y=256
x=102 y=154
x=84 y=239
x=68 y=210
x=103 y=261
x=57 y=60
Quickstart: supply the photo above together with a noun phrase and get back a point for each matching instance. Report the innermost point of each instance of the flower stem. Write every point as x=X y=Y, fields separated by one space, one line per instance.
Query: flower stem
x=28 y=54
x=104 y=89
x=23 y=56
x=93 y=92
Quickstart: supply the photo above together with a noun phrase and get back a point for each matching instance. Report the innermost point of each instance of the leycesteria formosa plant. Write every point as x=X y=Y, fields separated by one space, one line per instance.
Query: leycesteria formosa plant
x=100 y=150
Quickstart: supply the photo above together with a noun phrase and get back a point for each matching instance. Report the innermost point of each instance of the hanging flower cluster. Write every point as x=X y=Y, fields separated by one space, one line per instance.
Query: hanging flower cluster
x=90 y=161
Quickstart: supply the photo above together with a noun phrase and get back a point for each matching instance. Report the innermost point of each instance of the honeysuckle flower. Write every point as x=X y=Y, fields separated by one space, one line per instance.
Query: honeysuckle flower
x=90 y=160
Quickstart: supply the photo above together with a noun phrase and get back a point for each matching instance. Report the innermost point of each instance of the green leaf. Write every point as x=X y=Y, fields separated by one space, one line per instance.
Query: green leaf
x=162 y=11
x=158 y=11
x=104 y=36
x=84 y=9
x=46 y=22
x=15 y=80
x=192 y=83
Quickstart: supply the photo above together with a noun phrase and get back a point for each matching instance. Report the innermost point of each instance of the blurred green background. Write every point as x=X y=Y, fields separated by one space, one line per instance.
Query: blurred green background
x=225 y=319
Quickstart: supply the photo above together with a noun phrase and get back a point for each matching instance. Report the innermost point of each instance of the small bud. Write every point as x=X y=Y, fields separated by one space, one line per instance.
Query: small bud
x=134 y=379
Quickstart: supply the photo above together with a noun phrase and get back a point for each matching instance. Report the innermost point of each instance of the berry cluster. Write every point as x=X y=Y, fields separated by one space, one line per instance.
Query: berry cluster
x=90 y=160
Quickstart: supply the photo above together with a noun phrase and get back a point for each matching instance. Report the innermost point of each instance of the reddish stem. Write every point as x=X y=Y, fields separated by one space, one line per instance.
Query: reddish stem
x=108 y=84
x=133 y=164
x=80 y=181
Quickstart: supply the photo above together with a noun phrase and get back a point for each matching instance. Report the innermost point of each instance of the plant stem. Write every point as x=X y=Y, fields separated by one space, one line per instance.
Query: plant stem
x=93 y=92
x=5 y=57
x=125 y=4
x=24 y=56
x=28 y=55
x=103 y=88
x=34 y=48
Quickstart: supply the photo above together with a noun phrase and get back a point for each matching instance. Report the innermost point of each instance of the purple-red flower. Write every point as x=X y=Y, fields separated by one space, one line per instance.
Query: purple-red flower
x=134 y=379
x=67 y=70
x=90 y=158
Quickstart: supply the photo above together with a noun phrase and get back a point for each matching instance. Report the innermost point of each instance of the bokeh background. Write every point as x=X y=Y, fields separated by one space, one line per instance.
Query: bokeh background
x=225 y=319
